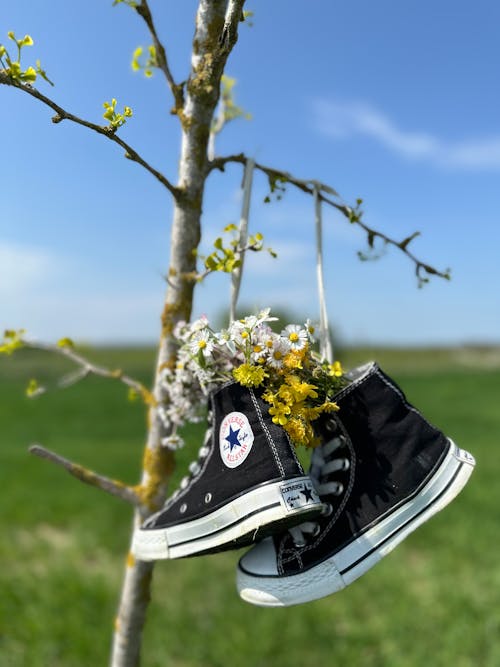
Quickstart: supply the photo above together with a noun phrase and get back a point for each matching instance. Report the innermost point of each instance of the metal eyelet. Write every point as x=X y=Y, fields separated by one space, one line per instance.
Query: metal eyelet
x=316 y=531
x=299 y=543
x=331 y=425
x=328 y=510
x=183 y=508
x=208 y=498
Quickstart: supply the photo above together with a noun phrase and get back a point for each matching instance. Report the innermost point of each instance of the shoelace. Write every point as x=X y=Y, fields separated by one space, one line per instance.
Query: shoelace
x=195 y=466
x=322 y=466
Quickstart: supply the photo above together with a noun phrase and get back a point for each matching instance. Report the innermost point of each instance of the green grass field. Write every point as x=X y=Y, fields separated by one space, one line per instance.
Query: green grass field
x=435 y=601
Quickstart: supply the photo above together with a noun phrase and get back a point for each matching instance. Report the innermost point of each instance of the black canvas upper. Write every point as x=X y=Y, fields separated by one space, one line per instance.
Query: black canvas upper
x=272 y=458
x=392 y=451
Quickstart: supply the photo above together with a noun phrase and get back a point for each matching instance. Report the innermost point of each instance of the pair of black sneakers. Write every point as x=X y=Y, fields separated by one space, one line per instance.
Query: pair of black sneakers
x=380 y=471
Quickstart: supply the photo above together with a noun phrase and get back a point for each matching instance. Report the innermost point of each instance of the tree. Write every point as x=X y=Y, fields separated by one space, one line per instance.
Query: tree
x=202 y=112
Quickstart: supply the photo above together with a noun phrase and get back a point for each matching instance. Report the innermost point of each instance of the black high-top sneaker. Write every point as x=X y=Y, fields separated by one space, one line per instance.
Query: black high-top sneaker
x=246 y=484
x=382 y=471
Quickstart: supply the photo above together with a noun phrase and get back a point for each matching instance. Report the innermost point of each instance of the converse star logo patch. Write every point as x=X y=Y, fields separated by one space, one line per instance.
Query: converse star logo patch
x=235 y=439
x=298 y=494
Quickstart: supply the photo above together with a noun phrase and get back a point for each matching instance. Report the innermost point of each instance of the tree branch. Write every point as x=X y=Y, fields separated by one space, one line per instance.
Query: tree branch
x=89 y=368
x=161 y=56
x=107 y=131
x=111 y=486
x=352 y=214
x=234 y=14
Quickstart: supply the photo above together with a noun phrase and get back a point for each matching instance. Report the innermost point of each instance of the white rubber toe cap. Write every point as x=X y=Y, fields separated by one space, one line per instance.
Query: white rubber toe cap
x=261 y=559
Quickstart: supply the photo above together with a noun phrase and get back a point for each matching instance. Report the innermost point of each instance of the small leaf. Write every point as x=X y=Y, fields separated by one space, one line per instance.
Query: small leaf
x=65 y=342
x=329 y=190
x=132 y=395
x=404 y=243
x=210 y=263
x=29 y=75
x=201 y=359
x=34 y=389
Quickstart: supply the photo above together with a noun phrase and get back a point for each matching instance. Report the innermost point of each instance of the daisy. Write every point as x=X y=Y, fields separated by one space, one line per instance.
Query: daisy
x=278 y=352
x=202 y=341
x=311 y=329
x=295 y=335
x=223 y=338
x=240 y=332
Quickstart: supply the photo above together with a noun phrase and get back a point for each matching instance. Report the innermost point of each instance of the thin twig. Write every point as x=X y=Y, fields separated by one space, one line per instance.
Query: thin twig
x=89 y=368
x=112 y=486
x=107 y=131
x=308 y=186
x=161 y=56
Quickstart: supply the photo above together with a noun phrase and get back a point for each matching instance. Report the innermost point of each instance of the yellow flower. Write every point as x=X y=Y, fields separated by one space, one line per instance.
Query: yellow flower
x=335 y=369
x=301 y=390
x=329 y=406
x=279 y=412
x=12 y=341
x=296 y=430
x=285 y=393
x=294 y=359
x=249 y=376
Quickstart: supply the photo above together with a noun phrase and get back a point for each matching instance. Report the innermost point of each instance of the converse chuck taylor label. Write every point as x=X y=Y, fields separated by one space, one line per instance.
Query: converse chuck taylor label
x=235 y=439
x=298 y=494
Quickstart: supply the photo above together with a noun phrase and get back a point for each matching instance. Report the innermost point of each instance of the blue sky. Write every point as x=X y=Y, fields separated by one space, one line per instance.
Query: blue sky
x=397 y=103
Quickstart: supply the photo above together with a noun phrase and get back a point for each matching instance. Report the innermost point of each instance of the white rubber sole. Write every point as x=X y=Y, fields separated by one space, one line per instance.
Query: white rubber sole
x=363 y=553
x=260 y=512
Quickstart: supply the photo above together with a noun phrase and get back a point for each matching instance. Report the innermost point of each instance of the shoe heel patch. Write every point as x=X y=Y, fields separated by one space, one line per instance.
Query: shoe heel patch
x=464 y=456
x=298 y=494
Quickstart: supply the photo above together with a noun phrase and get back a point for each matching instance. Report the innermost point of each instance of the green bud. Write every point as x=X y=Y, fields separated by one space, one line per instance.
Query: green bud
x=29 y=75
x=65 y=342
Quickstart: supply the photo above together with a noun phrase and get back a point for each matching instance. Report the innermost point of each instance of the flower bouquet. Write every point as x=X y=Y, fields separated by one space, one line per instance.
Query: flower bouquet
x=293 y=379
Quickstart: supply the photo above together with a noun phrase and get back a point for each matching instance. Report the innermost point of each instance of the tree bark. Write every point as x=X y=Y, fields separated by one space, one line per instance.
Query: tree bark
x=215 y=36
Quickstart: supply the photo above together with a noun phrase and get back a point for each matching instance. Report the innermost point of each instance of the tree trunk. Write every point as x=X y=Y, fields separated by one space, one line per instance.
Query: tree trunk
x=215 y=36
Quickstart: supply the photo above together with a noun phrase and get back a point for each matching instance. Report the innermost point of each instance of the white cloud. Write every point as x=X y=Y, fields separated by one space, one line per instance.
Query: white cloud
x=21 y=267
x=340 y=120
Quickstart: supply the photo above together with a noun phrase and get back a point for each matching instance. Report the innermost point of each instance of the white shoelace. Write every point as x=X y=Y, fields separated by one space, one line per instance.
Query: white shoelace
x=195 y=466
x=322 y=465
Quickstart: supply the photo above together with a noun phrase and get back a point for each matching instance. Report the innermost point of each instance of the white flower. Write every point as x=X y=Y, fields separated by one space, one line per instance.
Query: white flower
x=310 y=329
x=182 y=331
x=253 y=321
x=199 y=324
x=296 y=336
x=276 y=354
x=263 y=316
x=240 y=332
x=202 y=340
x=223 y=338
x=162 y=414
x=173 y=442
x=258 y=352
